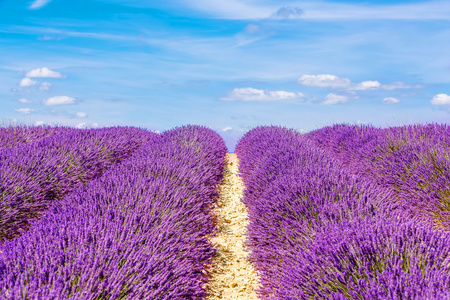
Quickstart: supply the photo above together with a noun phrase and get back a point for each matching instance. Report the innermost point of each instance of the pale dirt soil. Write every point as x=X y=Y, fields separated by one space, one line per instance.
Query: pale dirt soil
x=232 y=276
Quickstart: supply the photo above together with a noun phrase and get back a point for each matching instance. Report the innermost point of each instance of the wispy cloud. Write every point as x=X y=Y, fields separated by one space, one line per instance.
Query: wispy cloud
x=332 y=99
x=25 y=111
x=335 y=82
x=288 y=13
x=50 y=38
x=441 y=99
x=251 y=94
x=38 y=4
x=43 y=73
x=81 y=114
x=324 y=81
x=390 y=100
x=24 y=100
x=227 y=129
x=234 y=9
x=399 y=85
x=45 y=86
x=59 y=100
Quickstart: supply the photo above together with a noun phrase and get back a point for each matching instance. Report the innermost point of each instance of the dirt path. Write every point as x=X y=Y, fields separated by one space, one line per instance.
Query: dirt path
x=233 y=276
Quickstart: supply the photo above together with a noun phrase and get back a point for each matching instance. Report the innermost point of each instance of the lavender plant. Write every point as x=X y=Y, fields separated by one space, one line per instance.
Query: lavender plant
x=319 y=231
x=14 y=136
x=140 y=231
x=412 y=160
x=34 y=175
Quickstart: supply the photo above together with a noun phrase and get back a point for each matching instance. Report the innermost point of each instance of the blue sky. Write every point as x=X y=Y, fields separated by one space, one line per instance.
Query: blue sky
x=230 y=65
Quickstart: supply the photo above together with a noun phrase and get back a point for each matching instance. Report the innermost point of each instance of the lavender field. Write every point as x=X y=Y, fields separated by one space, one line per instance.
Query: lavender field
x=343 y=212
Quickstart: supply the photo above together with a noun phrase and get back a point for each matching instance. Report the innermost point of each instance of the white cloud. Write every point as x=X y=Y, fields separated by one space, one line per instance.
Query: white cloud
x=390 y=100
x=227 y=129
x=335 y=82
x=43 y=73
x=39 y=123
x=59 y=100
x=332 y=99
x=248 y=9
x=366 y=85
x=45 y=86
x=252 y=28
x=27 y=82
x=24 y=100
x=81 y=125
x=398 y=85
x=441 y=99
x=251 y=94
x=95 y=125
x=324 y=81
x=288 y=13
x=49 y=38
x=38 y=4
x=25 y=111
x=81 y=114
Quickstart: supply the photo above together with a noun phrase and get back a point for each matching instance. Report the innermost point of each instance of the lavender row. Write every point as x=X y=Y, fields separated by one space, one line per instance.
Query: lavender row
x=317 y=231
x=138 y=232
x=15 y=136
x=35 y=175
x=414 y=161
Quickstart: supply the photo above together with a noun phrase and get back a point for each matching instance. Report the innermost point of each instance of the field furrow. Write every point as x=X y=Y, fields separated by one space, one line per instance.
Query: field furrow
x=233 y=276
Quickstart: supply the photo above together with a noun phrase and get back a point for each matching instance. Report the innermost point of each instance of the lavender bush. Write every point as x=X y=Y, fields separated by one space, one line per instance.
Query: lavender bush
x=375 y=258
x=14 y=136
x=319 y=231
x=140 y=231
x=34 y=175
x=414 y=161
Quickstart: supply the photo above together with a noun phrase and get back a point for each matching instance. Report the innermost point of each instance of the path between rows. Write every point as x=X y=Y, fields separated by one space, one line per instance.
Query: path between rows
x=233 y=276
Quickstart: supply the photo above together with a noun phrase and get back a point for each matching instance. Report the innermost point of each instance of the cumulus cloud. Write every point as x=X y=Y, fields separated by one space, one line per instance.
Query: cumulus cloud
x=366 y=85
x=26 y=82
x=38 y=4
x=441 y=99
x=45 y=86
x=332 y=99
x=81 y=114
x=24 y=100
x=39 y=123
x=390 y=100
x=86 y=125
x=288 y=13
x=251 y=94
x=324 y=81
x=227 y=129
x=81 y=125
x=43 y=73
x=59 y=100
x=25 y=111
